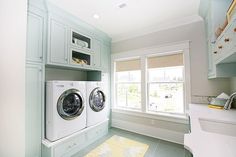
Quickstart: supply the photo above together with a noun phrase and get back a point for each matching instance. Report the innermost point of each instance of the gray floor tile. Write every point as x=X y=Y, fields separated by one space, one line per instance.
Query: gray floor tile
x=157 y=148
x=168 y=149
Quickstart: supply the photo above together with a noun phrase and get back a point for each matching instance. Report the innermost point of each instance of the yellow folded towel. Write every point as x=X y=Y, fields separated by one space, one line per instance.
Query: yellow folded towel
x=215 y=106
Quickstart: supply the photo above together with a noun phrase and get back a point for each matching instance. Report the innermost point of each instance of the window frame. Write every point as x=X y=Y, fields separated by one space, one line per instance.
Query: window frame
x=159 y=82
x=143 y=54
x=127 y=82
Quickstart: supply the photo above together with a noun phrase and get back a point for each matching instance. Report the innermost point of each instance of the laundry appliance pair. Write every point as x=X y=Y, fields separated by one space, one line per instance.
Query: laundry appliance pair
x=72 y=106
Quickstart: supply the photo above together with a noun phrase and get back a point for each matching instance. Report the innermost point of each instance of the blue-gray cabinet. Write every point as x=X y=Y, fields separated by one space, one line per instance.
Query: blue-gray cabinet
x=57 y=52
x=34 y=103
x=105 y=58
x=73 y=144
x=97 y=46
x=34 y=80
x=74 y=44
x=36 y=35
x=214 y=15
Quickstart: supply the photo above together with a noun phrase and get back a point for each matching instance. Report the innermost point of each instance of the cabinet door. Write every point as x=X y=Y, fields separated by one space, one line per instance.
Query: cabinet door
x=33 y=110
x=35 y=27
x=58 y=52
x=210 y=51
x=97 y=53
x=105 y=58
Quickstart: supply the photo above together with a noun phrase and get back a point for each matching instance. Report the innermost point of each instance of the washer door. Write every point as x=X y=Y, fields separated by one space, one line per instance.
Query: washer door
x=97 y=100
x=70 y=104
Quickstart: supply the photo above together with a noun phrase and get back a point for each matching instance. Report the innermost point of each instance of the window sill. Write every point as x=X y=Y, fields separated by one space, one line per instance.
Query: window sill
x=159 y=116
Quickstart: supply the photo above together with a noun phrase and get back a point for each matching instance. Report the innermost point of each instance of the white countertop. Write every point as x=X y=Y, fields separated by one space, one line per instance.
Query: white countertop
x=206 y=144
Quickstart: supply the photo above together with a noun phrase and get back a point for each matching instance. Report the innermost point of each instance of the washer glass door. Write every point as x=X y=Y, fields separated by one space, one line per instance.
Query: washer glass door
x=70 y=104
x=97 y=100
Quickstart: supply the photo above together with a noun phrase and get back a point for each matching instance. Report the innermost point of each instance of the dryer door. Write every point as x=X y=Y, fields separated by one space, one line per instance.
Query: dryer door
x=70 y=104
x=97 y=100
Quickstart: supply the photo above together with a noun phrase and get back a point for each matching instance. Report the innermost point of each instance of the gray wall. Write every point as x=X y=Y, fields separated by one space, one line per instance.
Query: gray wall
x=194 y=32
x=200 y=85
x=13 y=16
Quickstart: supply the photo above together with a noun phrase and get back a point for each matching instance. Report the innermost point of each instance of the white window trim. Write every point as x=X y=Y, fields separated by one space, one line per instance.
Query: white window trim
x=143 y=54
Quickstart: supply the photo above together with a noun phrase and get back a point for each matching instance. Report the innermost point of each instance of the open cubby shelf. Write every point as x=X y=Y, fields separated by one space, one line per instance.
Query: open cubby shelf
x=80 y=58
x=81 y=40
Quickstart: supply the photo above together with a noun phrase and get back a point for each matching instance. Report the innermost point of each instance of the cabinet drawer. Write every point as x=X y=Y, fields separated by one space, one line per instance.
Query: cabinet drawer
x=217 y=50
x=226 y=43
x=96 y=133
x=68 y=148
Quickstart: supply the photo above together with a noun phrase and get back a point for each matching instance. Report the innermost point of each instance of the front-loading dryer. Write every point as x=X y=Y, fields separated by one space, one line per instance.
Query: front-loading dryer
x=65 y=108
x=96 y=103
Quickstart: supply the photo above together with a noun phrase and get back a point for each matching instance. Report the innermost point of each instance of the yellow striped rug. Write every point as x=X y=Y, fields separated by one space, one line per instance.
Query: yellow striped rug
x=118 y=146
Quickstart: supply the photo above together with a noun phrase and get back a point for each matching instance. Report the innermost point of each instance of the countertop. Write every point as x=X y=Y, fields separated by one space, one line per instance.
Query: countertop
x=206 y=144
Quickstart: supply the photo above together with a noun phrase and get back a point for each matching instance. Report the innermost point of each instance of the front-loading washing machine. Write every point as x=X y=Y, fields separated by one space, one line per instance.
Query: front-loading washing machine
x=96 y=103
x=65 y=108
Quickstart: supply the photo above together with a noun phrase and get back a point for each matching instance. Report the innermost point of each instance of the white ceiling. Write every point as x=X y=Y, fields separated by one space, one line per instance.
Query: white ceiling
x=137 y=18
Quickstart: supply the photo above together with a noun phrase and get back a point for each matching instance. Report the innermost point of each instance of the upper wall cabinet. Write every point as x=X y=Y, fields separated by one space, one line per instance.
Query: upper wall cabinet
x=97 y=47
x=220 y=36
x=57 y=42
x=35 y=36
x=73 y=43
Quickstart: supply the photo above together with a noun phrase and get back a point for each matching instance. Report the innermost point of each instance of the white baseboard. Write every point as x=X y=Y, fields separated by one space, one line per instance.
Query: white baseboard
x=164 y=134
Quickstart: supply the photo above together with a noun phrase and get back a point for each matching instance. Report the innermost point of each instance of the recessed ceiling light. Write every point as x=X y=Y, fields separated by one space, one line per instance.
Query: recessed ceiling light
x=122 y=5
x=96 y=16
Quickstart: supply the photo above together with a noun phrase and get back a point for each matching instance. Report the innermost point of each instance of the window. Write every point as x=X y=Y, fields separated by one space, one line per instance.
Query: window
x=165 y=83
x=128 y=84
x=152 y=81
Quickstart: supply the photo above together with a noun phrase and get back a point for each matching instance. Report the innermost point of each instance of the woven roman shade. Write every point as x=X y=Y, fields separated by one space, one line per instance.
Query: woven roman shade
x=128 y=65
x=165 y=61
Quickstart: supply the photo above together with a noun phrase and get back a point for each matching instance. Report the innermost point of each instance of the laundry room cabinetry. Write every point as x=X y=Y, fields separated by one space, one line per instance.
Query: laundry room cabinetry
x=73 y=43
x=34 y=101
x=35 y=36
x=105 y=58
x=97 y=47
x=74 y=143
x=57 y=42
x=34 y=79
x=219 y=63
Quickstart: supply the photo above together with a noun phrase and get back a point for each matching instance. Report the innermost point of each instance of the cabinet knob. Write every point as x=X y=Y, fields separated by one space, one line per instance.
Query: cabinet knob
x=215 y=52
x=226 y=39
x=220 y=47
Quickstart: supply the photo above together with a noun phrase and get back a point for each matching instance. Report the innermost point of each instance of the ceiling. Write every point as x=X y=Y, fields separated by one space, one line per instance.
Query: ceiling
x=138 y=17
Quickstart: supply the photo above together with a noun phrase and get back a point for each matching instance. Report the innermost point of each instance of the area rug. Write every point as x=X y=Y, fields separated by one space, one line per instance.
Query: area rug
x=118 y=146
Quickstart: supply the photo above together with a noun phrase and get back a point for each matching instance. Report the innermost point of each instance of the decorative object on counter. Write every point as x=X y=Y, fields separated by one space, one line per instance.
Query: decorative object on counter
x=231 y=10
x=219 y=101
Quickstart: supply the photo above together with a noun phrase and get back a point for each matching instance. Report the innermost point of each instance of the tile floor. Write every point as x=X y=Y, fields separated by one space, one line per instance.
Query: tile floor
x=157 y=147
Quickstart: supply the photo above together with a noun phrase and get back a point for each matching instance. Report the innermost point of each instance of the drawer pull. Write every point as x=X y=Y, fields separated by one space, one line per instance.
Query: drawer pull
x=220 y=47
x=226 y=39
x=215 y=52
